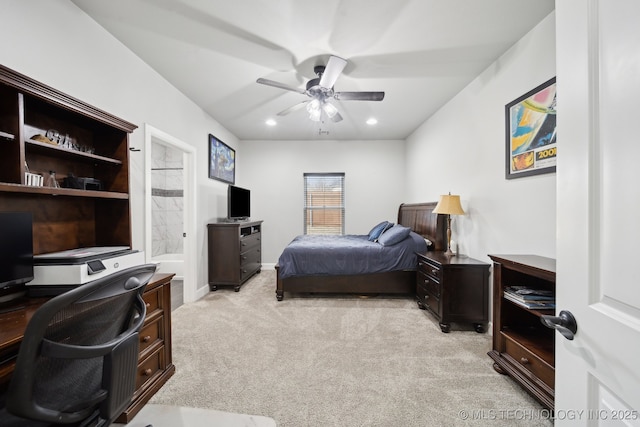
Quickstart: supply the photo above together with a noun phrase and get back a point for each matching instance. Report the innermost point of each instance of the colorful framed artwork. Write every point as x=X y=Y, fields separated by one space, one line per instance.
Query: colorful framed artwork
x=222 y=161
x=531 y=132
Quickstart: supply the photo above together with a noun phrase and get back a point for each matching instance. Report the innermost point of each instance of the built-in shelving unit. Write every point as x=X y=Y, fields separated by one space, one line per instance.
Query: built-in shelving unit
x=87 y=143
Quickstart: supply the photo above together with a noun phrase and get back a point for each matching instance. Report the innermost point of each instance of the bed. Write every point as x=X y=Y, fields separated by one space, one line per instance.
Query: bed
x=397 y=279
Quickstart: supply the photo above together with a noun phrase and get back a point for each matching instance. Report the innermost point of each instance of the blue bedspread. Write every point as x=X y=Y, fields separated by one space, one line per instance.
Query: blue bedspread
x=346 y=255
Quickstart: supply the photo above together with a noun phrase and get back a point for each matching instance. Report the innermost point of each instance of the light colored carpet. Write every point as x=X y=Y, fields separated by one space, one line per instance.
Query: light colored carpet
x=336 y=361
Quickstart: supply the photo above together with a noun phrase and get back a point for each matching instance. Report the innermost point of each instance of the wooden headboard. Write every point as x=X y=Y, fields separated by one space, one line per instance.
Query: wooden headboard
x=422 y=220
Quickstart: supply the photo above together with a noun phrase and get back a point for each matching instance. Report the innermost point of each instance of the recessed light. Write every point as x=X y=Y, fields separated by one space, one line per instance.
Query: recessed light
x=372 y=121
x=271 y=122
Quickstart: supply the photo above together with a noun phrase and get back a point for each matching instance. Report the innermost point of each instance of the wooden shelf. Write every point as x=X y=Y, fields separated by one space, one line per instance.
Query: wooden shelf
x=72 y=192
x=7 y=136
x=73 y=153
x=535 y=312
x=63 y=218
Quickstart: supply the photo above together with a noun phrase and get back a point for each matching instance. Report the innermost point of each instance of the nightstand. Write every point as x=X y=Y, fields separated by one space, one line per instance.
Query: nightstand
x=455 y=289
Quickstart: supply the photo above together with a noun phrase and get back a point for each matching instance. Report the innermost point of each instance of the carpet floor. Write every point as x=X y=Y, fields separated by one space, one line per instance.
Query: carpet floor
x=314 y=360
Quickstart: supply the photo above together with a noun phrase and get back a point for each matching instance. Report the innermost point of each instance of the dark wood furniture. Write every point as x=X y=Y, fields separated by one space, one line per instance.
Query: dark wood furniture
x=454 y=289
x=420 y=218
x=69 y=218
x=523 y=347
x=155 y=364
x=235 y=252
x=63 y=218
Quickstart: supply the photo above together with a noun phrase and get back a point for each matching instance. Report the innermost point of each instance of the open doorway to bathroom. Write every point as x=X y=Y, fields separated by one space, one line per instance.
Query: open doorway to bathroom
x=169 y=211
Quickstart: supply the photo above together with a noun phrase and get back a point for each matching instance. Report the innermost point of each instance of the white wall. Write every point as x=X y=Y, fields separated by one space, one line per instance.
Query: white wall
x=55 y=43
x=461 y=149
x=273 y=171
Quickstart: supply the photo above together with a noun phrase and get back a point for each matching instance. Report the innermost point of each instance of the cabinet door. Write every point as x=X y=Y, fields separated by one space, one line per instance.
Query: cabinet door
x=467 y=293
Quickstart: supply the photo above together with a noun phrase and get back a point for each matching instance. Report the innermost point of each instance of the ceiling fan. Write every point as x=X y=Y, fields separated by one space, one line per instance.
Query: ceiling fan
x=320 y=90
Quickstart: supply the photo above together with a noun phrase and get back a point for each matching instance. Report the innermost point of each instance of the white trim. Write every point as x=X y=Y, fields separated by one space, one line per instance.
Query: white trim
x=190 y=275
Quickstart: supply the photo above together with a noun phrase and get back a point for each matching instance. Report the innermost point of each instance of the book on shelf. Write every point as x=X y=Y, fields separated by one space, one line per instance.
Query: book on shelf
x=525 y=293
x=545 y=303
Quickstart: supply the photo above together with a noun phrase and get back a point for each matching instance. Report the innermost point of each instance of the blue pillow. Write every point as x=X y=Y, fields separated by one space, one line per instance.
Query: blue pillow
x=395 y=234
x=377 y=231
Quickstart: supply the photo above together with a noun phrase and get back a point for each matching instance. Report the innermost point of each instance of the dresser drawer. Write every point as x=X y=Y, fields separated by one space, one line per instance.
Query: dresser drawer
x=150 y=368
x=429 y=300
x=250 y=262
x=250 y=241
x=150 y=334
x=251 y=256
x=429 y=284
x=431 y=270
x=528 y=361
x=153 y=300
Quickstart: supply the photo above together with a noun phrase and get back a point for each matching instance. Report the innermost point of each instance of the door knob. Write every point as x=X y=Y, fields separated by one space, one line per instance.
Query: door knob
x=565 y=323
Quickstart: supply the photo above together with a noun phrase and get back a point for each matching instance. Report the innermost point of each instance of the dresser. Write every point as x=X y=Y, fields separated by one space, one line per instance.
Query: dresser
x=235 y=252
x=155 y=364
x=455 y=289
x=523 y=347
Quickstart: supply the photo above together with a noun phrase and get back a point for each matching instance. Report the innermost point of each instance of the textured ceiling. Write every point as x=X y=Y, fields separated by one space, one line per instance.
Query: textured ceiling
x=421 y=53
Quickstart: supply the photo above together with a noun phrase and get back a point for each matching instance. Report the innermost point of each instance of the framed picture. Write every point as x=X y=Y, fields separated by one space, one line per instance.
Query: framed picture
x=531 y=132
x=222 y=161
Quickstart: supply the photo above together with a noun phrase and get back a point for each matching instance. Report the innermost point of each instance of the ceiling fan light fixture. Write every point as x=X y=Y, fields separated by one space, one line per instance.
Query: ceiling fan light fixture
x=329 y=109
x=313 y=108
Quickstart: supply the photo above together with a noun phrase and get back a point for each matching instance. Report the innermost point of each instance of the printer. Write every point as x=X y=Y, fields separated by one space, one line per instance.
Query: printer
x=57 y=272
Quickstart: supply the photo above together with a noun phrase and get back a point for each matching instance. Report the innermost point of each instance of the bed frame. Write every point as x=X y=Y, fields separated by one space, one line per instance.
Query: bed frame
x=421 y=219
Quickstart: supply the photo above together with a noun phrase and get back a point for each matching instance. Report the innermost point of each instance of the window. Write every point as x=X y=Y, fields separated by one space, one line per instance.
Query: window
x=324 y=203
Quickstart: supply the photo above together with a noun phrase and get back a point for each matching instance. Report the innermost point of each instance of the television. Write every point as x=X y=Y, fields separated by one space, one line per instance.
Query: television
x=238 y=203
x=16 y=253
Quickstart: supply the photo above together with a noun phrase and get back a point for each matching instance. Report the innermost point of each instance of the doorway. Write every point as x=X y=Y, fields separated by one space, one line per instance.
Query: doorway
x=169 y=211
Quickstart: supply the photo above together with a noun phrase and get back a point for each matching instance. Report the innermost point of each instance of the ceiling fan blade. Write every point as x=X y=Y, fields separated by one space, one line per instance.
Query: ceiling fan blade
x=332 y=71
x=293 y=108
x=280 y=85
x=359 y=96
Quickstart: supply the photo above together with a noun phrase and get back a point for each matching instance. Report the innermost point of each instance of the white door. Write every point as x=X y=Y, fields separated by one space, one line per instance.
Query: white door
x=598 y=211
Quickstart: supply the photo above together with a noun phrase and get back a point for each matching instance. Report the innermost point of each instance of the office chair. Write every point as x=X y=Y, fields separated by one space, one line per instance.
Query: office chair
x=78 y=360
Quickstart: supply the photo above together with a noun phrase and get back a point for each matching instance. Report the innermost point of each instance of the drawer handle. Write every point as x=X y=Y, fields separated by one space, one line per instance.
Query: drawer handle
x=434 y=272
x=524 y=360
x=146 y=338
x=147 y=372
x=148 y=305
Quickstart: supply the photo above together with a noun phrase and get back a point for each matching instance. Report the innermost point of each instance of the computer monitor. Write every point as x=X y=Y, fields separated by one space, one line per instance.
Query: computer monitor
x=16 y=253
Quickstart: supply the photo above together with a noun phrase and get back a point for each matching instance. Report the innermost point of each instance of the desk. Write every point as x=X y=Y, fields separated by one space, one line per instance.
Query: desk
x=155 y=364
x=12 y=326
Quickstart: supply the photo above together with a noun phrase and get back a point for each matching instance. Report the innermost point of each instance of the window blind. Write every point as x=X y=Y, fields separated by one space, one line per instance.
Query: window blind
x=324 y=203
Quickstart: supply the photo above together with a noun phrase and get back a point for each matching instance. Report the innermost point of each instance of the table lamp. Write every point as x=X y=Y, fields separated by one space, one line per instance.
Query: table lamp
x=449 y=205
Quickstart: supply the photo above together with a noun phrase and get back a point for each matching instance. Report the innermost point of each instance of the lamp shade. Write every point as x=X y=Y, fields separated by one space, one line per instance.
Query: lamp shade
x=449 y=204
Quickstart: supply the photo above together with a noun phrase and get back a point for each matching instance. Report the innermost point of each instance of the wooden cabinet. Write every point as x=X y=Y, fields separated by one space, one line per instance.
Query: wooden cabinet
x=155 y=364
x=454 y=289
x=235 y=252
x=522 y=346
x=85 y=142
